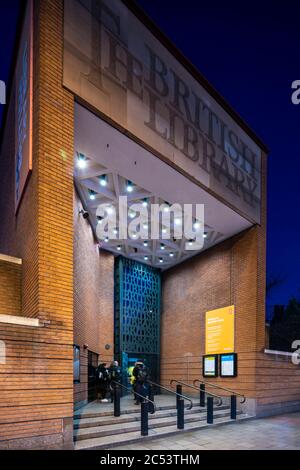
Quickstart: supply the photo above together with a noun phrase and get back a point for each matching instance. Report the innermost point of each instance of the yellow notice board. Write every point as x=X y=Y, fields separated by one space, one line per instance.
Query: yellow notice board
x=219 y=330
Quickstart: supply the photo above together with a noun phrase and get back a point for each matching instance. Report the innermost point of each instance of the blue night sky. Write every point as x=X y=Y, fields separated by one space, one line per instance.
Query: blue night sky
x=250 y=52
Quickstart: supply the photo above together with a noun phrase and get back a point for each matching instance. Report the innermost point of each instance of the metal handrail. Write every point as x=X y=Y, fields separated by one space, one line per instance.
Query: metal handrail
x=138 y=394
x=221 y=388
x=174 y=393
x=199 y=390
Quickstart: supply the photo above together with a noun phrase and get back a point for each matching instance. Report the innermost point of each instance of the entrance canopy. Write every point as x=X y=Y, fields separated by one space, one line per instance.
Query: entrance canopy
x=112 y=162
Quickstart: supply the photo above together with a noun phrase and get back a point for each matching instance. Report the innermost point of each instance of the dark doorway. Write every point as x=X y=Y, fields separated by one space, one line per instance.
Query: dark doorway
x=92 y=369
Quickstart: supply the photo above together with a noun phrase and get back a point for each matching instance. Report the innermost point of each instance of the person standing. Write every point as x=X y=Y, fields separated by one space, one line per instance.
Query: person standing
x=102 y=378
x=115 y=377
x=140 y=373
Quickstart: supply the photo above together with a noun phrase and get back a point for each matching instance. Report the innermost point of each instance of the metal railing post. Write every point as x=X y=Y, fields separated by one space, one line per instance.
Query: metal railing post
x=144 y=418
x=202 y=394
x=117 y=401
x=178 y=390
x=180 y=413
x=210 y=410
x=233 y=407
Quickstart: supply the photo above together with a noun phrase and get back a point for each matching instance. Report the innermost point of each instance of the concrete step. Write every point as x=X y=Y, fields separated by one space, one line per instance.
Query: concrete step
x=132 y=436
x=128 y=411
x=127 y=418
x=158 y=422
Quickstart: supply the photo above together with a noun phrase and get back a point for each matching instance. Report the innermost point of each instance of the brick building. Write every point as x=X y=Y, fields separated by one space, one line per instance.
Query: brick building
x=102 y=105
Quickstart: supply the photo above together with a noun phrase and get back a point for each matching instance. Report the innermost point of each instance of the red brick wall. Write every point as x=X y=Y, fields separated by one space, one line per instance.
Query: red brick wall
x=10 y=287
x=36 y=382
x=219 y=277
x=93 y=299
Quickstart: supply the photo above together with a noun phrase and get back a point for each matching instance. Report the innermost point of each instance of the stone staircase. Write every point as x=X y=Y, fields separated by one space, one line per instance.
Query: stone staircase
x=101 y=430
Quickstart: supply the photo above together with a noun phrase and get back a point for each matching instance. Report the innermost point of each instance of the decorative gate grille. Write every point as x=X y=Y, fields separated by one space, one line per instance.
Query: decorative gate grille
x=137 y=312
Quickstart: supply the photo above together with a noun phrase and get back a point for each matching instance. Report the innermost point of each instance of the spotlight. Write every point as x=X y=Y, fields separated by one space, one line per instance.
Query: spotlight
x=177 y=221
x=129 y=187
x=196 y=225
x=145 y=226
x=191 y=242
x=204 y=235
x=84 y=213
x=131 y=214
x=162 y=246
x=100 y=219
x=115 y=230
x=134 y=235
x=146 y=258
x=119 y=247
x=145 y=202
x=110 y=210
x=81 y=161
x=161 y=260
x=92 y=195
x=167 y=207
x=106 y=239
x=145 y=243
x=171 y=254
x=103 y=180
x=164 y=230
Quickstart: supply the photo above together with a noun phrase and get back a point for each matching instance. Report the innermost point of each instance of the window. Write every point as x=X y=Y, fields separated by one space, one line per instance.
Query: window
x=76 y=363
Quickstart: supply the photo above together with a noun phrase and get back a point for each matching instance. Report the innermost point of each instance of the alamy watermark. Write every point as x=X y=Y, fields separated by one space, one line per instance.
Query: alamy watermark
x=2 y=353
x=296 y=93
x=152 y=221
x=296 y=354
x=2 y=92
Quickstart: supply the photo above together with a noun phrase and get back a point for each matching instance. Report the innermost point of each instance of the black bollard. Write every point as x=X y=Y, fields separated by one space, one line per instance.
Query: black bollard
x=151 y=397
x=210 y=410
x=144 y=418
x=233 y=407
x=179 y=391
x=180 y=414
x=202 y=394
x=117 y=401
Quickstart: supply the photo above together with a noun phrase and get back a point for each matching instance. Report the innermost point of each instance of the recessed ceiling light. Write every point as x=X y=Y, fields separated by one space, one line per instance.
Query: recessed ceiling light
x=103 y=180
x=129 y=187
x=92 y=195
x=119 y=247
x=191 y=242
x=81 y=161
x=162 y=246
x=145 y=243
x=161 y=260
x=171 y=254
x=146 y=258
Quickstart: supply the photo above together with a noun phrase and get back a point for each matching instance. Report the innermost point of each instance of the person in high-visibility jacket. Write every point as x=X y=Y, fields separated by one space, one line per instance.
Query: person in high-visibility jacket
x=130 y=375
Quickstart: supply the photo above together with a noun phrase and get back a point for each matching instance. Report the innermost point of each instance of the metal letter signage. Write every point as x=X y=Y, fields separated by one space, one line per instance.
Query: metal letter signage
x=23 y=119
x=116 y=64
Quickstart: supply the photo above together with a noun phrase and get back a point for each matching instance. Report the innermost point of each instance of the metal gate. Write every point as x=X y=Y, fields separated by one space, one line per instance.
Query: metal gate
x=137 y=315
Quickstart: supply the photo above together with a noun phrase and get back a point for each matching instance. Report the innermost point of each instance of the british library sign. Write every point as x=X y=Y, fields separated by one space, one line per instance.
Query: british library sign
x=113 y=62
